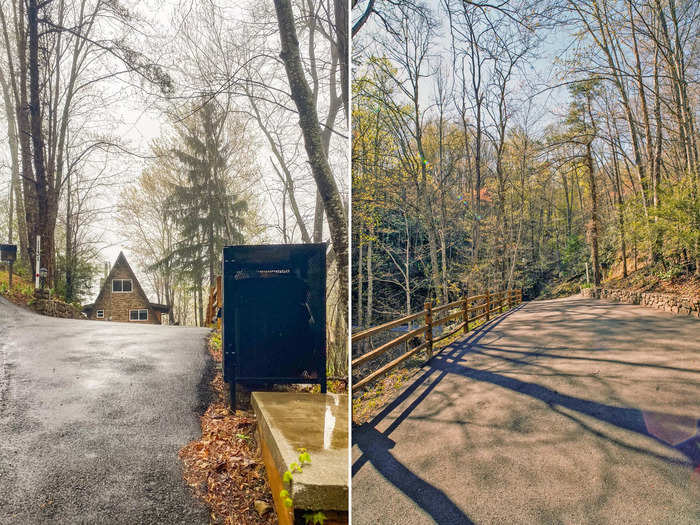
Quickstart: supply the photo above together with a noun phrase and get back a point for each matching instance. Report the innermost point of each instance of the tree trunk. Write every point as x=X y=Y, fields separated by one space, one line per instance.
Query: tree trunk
x=47 y=207
x=370 y=279
x=594 y=215
x=11 y=96
x=309 y=124
x=620 y=215
x=477 y=187
x=15 y=195
x=341 y=31
x=29 y=186
x=443 y=255
x=424 y=196
x=11 y=210
x=69 y=244
x=656 y=164
x=211 y=254
x=200 y=302
x=318 y=218
x=194 y=301
x=360 y=279
x=407 y=272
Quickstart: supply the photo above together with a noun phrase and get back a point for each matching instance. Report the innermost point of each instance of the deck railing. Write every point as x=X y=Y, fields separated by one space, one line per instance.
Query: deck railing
x=489 y=305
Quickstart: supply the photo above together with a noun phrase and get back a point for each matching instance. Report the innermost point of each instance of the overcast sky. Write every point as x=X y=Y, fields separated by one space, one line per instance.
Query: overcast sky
x=136 y=119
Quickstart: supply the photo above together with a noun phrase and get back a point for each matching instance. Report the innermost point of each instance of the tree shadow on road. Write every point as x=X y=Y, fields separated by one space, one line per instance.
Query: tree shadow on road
x=375 y=445
x=646 y=423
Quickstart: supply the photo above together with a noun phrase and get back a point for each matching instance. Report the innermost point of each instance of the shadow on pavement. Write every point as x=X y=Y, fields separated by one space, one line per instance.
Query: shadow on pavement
x=647 y=423
x=376 y=445
x=525 y=353
x=375 y=448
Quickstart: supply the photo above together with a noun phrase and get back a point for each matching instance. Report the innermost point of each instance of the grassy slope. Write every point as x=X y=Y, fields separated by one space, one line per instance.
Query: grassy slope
x=22 y=290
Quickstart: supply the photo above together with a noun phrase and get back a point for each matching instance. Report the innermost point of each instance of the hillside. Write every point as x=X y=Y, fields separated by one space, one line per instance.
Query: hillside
x=656 y=279
x=22 y=289
x=648 y=279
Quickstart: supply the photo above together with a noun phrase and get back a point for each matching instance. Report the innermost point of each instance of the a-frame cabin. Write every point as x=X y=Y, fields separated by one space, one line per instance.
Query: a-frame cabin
x=122 y=299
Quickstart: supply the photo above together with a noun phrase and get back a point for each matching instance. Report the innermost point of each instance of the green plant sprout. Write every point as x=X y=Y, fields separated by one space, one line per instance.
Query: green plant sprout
x=304 y=457
x=310 y=518
x=313 y=518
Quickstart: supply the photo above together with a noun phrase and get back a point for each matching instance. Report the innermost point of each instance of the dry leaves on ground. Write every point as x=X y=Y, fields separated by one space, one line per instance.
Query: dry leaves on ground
x=224 y=470
x=651 y=279
x=223 y=467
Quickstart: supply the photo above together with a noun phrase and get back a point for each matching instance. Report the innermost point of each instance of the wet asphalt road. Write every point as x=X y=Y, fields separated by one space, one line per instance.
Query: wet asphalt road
x=92 y=415
x=569 y=411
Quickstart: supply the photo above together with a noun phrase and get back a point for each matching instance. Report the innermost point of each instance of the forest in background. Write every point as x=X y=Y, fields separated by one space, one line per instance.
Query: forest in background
x=520 y=145
x=251 y=128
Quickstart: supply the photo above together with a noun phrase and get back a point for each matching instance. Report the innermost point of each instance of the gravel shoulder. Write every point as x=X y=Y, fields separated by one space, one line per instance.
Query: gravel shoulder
x=92 y=416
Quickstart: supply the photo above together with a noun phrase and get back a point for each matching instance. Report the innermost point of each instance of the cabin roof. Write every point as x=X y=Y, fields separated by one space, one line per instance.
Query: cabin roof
x=121 y=261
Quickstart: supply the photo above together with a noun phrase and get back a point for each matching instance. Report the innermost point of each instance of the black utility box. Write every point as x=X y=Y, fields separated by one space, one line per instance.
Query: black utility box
x=274 y=314
x=8 y=252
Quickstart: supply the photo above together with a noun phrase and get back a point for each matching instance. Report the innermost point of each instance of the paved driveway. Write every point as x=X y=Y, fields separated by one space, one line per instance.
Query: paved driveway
x=564 y=411
x=92 y=415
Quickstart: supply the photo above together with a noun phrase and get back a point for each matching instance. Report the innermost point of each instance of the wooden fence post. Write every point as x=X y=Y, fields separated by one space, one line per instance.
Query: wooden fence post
x=465 y=316
x=488 y=306
x=429 y=327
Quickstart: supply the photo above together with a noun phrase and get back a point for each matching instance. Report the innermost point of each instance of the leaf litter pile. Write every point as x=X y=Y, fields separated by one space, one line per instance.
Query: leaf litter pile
x=223 y=467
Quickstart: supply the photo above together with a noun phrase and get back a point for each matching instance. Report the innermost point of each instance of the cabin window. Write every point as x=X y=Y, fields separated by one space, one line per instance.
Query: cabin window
x=100 y=314
x=138 y=315
x=121 y=285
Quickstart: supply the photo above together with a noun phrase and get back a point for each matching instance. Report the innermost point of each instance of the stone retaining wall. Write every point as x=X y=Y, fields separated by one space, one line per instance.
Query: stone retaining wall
x=662 y=301
x=44 y=305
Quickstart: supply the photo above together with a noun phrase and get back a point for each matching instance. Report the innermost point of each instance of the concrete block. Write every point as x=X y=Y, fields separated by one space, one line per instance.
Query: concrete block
x=319 y=423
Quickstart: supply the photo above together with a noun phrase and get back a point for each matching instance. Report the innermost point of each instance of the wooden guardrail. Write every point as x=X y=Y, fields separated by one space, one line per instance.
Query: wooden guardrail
x=487 y=304
x=216 y=300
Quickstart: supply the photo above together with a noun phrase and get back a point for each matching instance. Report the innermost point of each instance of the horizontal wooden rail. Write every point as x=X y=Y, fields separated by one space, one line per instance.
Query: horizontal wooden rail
x=489 y=303
x=391 y=324
x=448 y=318
x=387 y=346
x=437 y=309
x=389 y=366
x=448 y=334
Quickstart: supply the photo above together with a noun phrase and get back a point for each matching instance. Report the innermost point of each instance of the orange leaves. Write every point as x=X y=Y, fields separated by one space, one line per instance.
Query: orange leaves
x=224 y=470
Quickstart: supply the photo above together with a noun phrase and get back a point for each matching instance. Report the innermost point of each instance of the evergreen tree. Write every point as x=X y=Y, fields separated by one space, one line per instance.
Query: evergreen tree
x=203 y=203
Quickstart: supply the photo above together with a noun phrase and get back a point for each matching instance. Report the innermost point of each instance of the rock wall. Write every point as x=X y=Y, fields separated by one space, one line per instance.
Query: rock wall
x=662 y=301
x=44 y=305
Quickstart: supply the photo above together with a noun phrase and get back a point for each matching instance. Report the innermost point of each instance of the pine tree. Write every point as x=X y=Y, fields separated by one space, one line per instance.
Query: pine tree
x=204 y=204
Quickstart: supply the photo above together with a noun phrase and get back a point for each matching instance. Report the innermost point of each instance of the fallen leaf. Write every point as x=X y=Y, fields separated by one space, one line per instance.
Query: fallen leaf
x=262 y=507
